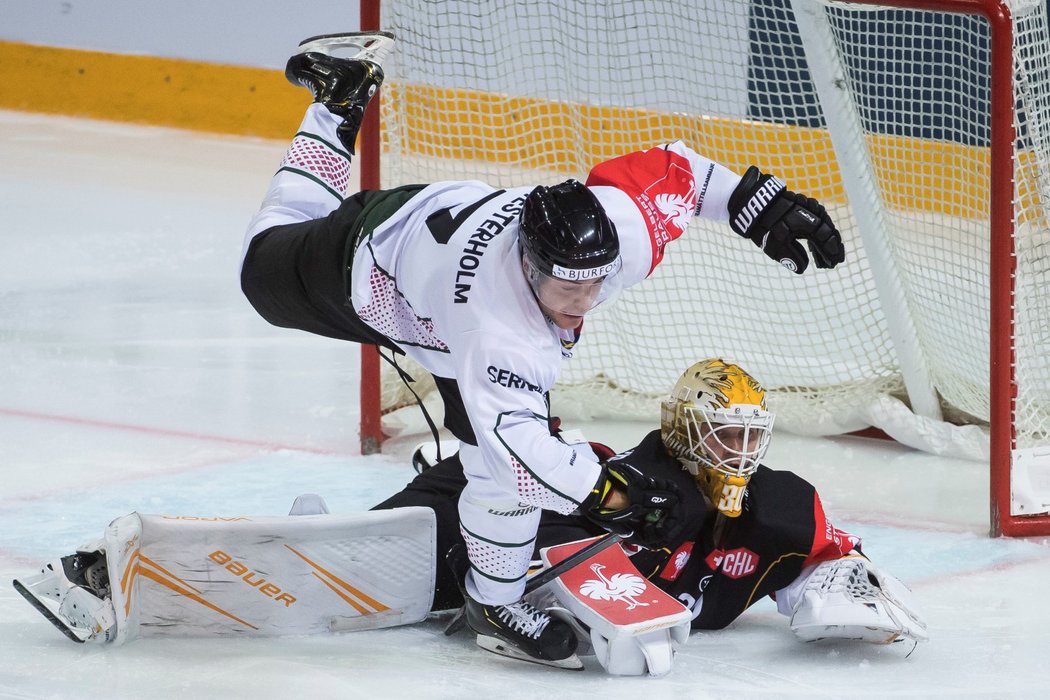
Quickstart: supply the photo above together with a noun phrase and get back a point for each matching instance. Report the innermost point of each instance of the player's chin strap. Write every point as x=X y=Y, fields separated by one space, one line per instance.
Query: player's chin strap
x=408 y=379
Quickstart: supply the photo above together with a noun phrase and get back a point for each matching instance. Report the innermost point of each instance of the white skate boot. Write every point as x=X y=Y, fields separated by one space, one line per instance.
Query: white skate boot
x=73 y=593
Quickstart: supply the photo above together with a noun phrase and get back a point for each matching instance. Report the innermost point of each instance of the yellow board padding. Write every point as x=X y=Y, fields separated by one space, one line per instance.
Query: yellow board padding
x=913 y=174
x=462 y=124
x=149 y=90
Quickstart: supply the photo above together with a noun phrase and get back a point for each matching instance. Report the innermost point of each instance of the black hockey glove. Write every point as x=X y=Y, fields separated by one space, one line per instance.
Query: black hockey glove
x=775 y=218
x=652 y=516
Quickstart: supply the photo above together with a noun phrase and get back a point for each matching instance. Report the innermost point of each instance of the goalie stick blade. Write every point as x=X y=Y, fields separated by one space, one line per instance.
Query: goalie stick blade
x=51 y=617
x=498 y=646
x=367 y=46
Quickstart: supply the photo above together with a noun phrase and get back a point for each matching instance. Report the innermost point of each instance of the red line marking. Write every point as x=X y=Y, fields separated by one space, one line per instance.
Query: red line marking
x=112 y=425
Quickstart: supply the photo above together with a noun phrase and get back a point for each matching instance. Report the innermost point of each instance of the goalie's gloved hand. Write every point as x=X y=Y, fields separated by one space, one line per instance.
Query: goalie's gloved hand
x=643 y=510
x=775 y=218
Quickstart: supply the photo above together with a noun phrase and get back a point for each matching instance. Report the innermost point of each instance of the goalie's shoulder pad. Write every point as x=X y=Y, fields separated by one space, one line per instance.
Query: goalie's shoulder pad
x=634 y=626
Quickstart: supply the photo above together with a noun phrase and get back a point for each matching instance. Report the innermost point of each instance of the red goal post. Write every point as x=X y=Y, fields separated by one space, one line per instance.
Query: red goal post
x=923 y=124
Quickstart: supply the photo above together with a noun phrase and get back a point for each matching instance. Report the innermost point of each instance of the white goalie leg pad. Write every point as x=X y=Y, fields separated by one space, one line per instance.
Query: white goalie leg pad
x=244 y=576
x=309 y=504
x=851 y=599
x=634 y=627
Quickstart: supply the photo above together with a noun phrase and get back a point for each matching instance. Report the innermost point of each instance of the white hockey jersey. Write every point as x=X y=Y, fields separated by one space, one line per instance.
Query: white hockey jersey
x=442 y=278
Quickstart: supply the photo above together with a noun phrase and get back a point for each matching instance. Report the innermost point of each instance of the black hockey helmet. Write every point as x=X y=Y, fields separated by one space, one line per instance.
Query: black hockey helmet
x=566 y=234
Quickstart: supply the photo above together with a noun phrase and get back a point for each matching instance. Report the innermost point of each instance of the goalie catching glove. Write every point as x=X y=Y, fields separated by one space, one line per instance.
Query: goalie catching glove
x=775 y=219
x=851 y=598
x=642 y=510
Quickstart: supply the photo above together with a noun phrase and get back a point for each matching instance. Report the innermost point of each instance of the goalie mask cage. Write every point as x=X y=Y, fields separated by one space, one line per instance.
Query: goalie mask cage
x=922 y=125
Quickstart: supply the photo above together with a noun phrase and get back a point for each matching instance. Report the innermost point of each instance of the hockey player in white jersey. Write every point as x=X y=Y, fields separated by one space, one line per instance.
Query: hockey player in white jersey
x=487 y=289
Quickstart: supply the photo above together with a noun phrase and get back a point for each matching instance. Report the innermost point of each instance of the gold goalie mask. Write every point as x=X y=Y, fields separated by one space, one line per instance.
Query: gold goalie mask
x=716 y=423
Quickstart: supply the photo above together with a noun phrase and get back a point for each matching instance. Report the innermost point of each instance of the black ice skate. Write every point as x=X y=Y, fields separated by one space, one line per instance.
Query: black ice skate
x=520 y=631
x=343 y=85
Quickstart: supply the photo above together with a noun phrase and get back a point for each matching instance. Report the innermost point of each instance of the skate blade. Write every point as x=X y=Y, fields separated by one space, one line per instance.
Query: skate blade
x=46 y=612
x=368 y=46
x=498 y=646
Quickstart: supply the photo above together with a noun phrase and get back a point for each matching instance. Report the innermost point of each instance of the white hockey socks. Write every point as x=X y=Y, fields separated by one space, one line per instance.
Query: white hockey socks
x=851 y=599
x=312 y=180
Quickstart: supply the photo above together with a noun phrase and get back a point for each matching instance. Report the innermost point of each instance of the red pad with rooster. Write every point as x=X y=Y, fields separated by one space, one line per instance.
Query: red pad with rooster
x=607 y=590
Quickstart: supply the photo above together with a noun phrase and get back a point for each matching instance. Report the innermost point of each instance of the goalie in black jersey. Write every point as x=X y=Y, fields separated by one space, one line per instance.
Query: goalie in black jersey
x=739 y=531
x=701 y=518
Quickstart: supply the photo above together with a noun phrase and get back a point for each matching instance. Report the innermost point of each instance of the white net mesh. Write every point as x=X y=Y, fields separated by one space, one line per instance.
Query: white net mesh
x=1032 y=232
x=525 y=93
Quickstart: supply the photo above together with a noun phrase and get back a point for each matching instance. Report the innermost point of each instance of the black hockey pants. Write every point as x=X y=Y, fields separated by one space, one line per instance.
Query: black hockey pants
x=298 y=276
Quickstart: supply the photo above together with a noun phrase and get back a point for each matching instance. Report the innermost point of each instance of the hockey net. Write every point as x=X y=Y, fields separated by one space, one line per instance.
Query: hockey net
x=935 y=328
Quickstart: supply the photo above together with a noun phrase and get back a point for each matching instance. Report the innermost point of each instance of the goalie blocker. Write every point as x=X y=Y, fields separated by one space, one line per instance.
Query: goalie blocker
x=633 y=627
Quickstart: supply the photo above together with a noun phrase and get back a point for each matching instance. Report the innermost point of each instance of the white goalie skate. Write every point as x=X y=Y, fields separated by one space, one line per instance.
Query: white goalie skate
x=73 y=594
x=851 y=599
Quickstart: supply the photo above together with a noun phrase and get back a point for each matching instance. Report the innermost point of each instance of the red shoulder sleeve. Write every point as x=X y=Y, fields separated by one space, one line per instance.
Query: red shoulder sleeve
x=829 y=542
x=661 y=184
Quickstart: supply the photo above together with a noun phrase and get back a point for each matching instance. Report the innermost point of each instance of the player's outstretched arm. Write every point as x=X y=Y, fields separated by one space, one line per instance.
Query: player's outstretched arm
x=776 y=220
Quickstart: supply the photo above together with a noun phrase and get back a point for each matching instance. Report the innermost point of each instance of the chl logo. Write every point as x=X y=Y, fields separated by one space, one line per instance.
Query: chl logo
x=736 y=563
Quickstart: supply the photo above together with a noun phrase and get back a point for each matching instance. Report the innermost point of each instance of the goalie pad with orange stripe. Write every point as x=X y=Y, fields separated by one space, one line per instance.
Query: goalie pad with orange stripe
x=249 y=576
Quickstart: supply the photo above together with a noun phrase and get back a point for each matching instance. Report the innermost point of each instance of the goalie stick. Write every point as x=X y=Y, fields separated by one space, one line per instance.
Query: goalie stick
x=545 y=576
x=553 y=572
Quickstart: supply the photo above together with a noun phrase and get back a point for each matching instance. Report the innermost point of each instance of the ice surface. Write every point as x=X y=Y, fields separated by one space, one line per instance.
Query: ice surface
x=134 y=376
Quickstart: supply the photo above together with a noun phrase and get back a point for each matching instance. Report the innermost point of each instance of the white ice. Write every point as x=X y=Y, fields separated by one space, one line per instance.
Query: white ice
x=134 y=376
